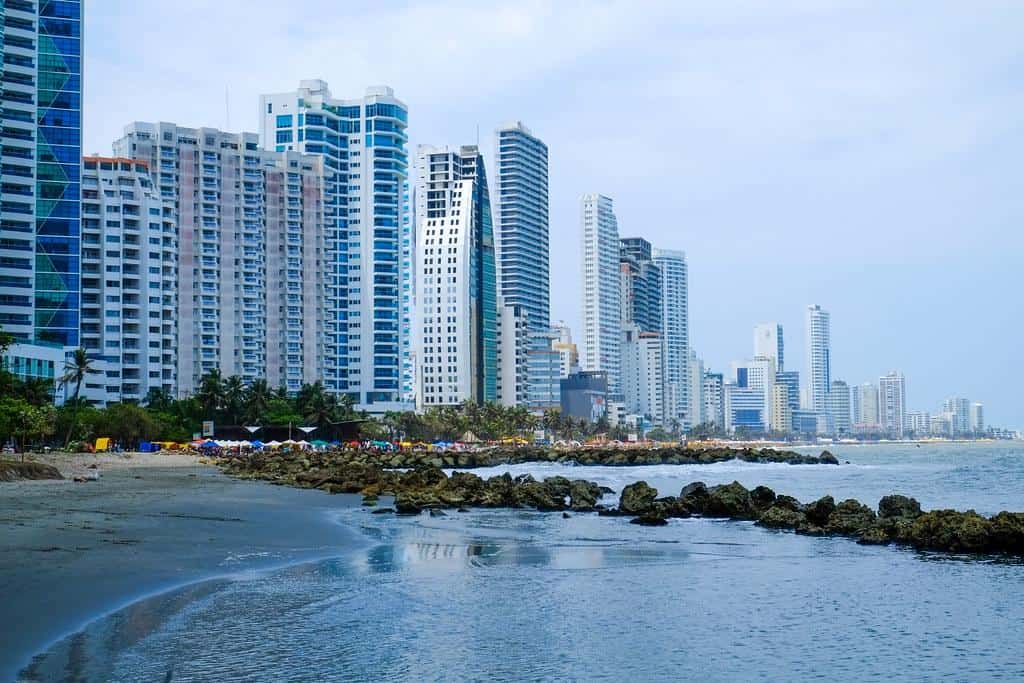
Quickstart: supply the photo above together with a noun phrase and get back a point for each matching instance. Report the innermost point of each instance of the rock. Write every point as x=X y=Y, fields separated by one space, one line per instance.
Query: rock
x=605 y=490
x=435 y=512
x=819 y=511
x=583 y=495
x=1008 y=532
x=462 y=510
x=370 y=501
x=874 y=536
x=537 y=495
x=850 y=518
x=789 y=503
x=778 y=517
x=637 y=498
x=381 y=511
x=898 y=506
x=694 y=496
x=566 y=515
x=558 y=487
x=762 y=498
x=951 y=530
x=827 y=458
x=405 y=505
x=11 y=470
x=649 y=519
x=731 y=501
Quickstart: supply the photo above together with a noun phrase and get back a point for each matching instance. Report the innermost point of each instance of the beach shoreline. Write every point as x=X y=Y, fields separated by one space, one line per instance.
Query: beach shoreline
x=74 y=552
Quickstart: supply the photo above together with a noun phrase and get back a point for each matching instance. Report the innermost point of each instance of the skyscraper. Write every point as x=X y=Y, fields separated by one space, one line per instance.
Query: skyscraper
x=41 y=154
x=839 y=406
x=642 y=372
x=250 y=275
x=892 y=402
x=675 y=319
x=640 y=284
x=129 y=281
x=363 y=144
x=455 y=275
x=714 y=399
x=819 y=361
x=768 y=343
x=977 y=418
x=790 y=382
x=959 y=410
x=695 y=381
x=867 y=401
x=602 y=329
x=521 y=222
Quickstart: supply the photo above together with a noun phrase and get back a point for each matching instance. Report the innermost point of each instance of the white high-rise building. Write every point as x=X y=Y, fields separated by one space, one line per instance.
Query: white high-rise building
x=367 y=239
x=513 y=347
x=129 y=281
x=768 y=343
x=867 y=403
x=569 y=359
x=250 y=247
x=602 y=329
x=642 y=372
x=839 y=407
x=782 y=416
x=675 y=302
x=714 y=399
x=960 y=411
x=695 y=378
x=521 y=222
x=819 y=361
x=892 y=402
x=457 y=325
x=977 y=418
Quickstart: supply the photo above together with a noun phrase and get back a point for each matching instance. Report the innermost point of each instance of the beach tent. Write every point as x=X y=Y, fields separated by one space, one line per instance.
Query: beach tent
x=256 y=443
x=147 y=447
x=318 y=443
x=209 y=444
x=102 y=444
x=273 y=444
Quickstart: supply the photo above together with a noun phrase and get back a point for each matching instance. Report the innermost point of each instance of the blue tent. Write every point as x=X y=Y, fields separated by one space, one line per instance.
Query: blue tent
x=257 y=443
x=209 y=444
x=147 y=447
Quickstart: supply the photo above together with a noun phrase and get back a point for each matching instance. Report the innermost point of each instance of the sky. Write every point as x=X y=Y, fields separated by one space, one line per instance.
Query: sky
x=864 y=156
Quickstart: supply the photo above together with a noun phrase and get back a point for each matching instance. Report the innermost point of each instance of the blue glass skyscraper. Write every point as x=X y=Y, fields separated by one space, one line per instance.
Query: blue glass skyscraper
x=363 y=143
x=41 y=165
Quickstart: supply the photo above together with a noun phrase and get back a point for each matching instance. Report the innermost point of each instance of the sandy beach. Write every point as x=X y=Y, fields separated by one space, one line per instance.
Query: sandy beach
x=71 y=552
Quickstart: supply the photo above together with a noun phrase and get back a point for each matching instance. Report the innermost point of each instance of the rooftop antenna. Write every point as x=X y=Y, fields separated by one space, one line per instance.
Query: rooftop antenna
x=227 y=109
x=478 y=136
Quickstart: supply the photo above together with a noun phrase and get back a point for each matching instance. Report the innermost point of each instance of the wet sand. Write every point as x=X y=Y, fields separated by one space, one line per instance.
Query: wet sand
x=71 y=552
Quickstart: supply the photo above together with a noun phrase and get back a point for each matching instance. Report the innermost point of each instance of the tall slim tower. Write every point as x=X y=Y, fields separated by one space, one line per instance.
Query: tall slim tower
x=41 y=151
x=768 y=343
x=521 y=222
x=363 y=143
x=455 y=273
x=675 y=318
x=602 y=329
x=819 y=361
x=892 y=402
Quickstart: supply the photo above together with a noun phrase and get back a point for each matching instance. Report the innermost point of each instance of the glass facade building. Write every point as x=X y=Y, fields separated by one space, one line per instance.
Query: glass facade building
x=367 y=272
x=521 y=222
x=41 y=170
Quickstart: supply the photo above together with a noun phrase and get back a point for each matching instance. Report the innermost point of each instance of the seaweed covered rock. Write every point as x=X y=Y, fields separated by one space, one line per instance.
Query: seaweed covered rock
x=583 y=495
x=11 y=470
x=729 y=500
x=637 y=498
x=898 y=506
x=780 y=517
x=952 y=531
x=850 y=518
x=694 y=496
x=649 y=519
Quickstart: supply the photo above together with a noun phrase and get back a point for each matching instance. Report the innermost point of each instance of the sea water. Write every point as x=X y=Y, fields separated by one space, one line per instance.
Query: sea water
x=494 y=595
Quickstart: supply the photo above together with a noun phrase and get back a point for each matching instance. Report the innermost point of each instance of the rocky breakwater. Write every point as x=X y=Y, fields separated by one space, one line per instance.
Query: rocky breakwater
x=423 y=487
x=897 y=519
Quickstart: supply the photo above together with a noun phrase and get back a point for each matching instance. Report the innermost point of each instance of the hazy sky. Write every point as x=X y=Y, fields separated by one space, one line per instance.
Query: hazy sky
x=865 y=156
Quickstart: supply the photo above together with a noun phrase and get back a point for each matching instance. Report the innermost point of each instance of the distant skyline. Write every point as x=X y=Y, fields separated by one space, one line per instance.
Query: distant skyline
x=799 y=153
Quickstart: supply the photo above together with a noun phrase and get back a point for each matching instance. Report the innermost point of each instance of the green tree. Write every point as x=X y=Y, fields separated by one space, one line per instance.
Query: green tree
x=211 y=393
x=76 y=369
x=158 y=399
x=257 y=401
x=128 y=424
x=234 y=399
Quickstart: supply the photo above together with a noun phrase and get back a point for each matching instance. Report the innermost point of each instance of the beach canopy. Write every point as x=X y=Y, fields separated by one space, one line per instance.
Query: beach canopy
x=272 y=444
x=209 y=443
x=256 y=443
x=102 y=443
x=318 y=442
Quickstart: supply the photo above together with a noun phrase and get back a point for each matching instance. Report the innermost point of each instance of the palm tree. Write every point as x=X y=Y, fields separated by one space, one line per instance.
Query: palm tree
x=159 y=399
x=321 y=408
x=75 y=371
x=257 y=400
x=234 y=395
x=211 y=393
x=346 y=406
